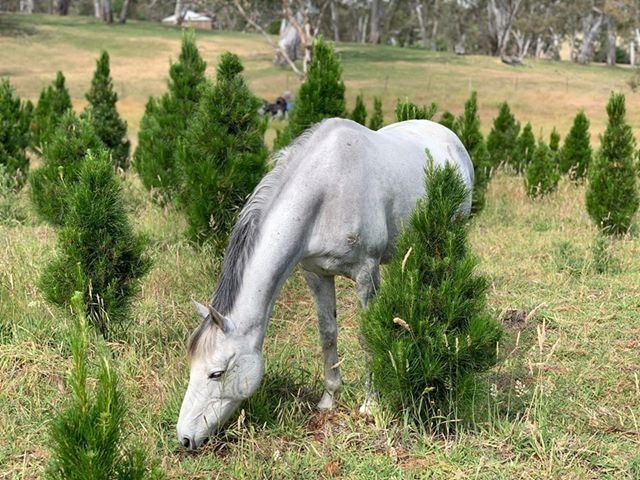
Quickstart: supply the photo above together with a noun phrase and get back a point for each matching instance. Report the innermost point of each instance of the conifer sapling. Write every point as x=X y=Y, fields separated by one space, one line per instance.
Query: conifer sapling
x=359 y=113
x=502 y=139
x=428 y=330
x=165 y=121
x=222 y=156
x=468 y=130
x=53 y=103
x=575 y=154
x=612 y=192
x=99 y=255
x=377 y=120
x=63 y=155
x=15 y=120
x=524 y=150
x=107 y=123
x=542 y=176
x=407 y=110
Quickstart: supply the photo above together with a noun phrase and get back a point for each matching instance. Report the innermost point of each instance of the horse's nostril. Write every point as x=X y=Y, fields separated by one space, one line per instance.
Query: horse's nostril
x=186 y=442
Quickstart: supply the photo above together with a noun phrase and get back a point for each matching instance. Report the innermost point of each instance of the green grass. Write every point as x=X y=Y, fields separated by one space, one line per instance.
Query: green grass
x=564 y=402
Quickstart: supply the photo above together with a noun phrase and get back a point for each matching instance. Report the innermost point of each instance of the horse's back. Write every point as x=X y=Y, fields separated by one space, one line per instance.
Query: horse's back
x=368 y=181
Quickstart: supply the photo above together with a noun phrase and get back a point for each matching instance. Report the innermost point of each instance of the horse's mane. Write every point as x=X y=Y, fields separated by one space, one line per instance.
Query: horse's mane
x=246 y=231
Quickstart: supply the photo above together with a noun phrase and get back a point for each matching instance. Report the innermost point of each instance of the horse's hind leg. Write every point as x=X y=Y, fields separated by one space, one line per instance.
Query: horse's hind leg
x=367 y=283
x=324 y=293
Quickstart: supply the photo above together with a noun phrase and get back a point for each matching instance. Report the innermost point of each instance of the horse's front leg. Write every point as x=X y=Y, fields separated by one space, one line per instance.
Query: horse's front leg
x=324 y=294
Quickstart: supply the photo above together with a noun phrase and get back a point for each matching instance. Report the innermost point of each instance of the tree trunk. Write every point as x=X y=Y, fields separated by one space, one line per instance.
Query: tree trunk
x=63 y=7
x=632 y=53
x=611 y=42
x=124 y=13
x=107 y=11
x=376 y=14
x=26 y=6
x=97 y=9
x=288 y=42
x=421 y=23
x=590 y=26
x=335 y=21
x=501 y=16
x=178 y=12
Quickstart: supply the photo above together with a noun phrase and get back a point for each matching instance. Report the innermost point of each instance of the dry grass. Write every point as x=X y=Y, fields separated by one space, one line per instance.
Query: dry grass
x=564 y=402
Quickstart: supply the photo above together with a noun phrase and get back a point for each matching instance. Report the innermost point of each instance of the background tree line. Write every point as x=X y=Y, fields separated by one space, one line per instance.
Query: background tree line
x=601 y=30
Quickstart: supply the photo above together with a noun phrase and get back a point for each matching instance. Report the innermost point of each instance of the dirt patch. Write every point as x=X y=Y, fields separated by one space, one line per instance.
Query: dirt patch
x=515 y=318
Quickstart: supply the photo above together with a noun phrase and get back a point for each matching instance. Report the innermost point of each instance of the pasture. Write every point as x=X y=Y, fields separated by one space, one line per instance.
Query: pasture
x=563 y=403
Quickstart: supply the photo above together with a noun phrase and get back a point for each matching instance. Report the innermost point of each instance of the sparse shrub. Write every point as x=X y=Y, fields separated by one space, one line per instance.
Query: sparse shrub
x=62 y=158
x=574 y=157
x=410 y=111
x=502 y=139
x=99 y=254
x=634 y=80
x=604 y=260
x=567 y=259
x=612 y=194
x=359 y=113
x=448 y=120
x=165 y=121
x=15 y=120
x=377 y=120
x=468 y=130
x=53 y=103
x=428 y=330
x=321 y=95
x=524 y=150
x=542 y=175
x=86 y=437
x=9 y=211
x=107 y=123
x=222 y=156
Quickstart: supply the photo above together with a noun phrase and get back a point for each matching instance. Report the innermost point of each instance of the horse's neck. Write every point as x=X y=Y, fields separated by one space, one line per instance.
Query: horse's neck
x=279 y=247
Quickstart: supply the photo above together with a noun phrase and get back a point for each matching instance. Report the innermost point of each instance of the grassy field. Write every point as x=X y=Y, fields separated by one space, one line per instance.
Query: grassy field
x=564 y=403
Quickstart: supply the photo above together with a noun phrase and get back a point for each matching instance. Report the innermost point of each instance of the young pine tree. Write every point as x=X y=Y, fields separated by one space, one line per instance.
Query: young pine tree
x=524 y=150
x=428 y=330
x=107 y=123
x=359 y=113
x=410 y=111
x=222 y=156
x=377 y=120
x=448 y=120
x=53 y=103
x=63 y=155
x=575 y=155
x=468 y=130
x=15 y=120
x=502 y=139
x=99 y=254
x=554 y=141
x=542 y=174
x=321 y=95
x=165 y=121
x=612 y=193
x=86 y=436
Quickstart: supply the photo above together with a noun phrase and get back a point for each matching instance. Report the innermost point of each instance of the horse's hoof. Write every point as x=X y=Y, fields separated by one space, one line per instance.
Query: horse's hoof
x=326 y=402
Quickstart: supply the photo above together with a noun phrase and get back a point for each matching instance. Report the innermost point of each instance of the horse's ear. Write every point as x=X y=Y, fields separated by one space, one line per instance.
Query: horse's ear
x=223 y=323
x=207 y=312
x=203 y=311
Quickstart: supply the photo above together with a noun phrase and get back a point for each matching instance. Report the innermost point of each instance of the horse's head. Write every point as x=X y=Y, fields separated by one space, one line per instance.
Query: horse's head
x=226 y=368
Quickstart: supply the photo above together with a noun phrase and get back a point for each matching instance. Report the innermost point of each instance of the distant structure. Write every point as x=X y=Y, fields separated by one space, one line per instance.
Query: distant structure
x=191 y=19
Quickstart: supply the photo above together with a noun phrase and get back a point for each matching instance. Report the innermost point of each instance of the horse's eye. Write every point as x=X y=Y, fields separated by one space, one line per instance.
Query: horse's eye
x=216 y=375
